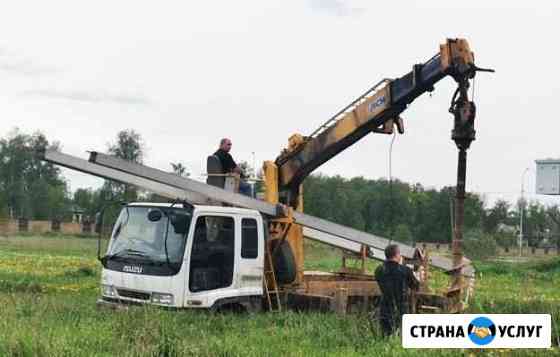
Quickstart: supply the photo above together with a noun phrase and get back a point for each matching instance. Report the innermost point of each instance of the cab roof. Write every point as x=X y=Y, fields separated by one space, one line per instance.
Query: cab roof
x=217 y=209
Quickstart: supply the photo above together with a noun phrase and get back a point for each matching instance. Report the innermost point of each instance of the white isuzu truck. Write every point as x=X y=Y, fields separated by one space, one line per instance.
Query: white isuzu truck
x=182 y=255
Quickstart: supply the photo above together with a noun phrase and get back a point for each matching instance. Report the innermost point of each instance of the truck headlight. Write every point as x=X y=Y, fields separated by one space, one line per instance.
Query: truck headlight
x=163 y=299
x=108 y=290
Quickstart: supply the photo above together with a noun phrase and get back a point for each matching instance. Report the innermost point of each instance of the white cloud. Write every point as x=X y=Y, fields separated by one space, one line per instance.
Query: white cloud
x=20 y=65
x=260 y=71
x=335 y=7
x=89 y=96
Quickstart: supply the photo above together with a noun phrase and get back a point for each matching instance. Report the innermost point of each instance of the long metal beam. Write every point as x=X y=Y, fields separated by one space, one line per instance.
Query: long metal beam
x=333 y=233
x=329 y=239
x=212 y=192
x=377 y=253
x=84 y=166
x=221 y=195
x=176 y=187
x=351 y=234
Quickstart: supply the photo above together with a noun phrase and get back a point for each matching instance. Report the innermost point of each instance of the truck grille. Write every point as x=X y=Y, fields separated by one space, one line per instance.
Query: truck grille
x=133 y=294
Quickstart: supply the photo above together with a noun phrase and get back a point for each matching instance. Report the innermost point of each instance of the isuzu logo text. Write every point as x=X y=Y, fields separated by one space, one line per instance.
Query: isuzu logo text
x=133 y=269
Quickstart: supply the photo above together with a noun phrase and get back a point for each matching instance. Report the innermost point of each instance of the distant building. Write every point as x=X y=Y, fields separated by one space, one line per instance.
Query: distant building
x=504 y=228
x=77 y=214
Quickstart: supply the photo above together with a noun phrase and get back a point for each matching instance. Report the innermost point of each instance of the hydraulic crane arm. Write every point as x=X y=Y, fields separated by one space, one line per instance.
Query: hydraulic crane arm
x=377 y=110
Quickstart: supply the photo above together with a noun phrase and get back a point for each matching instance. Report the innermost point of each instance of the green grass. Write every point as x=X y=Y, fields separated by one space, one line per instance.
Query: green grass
x=55 y=244
x=49 y=285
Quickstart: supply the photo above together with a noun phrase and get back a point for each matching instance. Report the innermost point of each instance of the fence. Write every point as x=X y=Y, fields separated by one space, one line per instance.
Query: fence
x=8 y=227
x=526 y=251
x=12 y=227
x=15 y=226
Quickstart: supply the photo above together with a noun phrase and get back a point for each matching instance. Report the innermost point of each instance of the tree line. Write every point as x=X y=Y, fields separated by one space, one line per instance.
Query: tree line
x=407 y=212
x=34 y=189
x=413 y=213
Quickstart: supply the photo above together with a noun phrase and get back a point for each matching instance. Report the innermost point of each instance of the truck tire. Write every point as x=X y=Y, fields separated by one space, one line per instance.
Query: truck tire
x=284 y=263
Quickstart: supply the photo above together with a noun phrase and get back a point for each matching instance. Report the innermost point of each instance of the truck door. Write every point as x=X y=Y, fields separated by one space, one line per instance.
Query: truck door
x=212 y=258
x=251 y=255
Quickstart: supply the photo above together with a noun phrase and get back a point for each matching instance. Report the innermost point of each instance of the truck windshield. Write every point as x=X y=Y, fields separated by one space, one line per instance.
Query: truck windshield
x=151 y=234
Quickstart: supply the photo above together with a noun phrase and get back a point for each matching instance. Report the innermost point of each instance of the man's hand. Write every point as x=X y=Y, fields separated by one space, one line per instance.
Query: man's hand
x=420 y=274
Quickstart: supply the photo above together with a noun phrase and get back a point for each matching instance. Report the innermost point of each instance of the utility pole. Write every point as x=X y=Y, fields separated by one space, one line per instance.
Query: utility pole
x=254 y=166
x=254 y=185
x=521 y=210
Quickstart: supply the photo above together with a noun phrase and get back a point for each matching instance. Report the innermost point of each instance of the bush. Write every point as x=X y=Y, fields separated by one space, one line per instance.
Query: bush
x=505 y=240
x=402 y=234
x=80 y=272
x=22 y=285
x=478 y=245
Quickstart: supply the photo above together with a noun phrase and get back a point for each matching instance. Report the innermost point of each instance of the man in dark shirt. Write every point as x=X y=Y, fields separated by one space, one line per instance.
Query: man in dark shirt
x=229 y=165
x=394 y=280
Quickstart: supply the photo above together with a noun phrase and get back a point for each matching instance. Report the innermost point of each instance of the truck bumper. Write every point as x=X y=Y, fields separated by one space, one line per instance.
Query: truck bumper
x=111 y=305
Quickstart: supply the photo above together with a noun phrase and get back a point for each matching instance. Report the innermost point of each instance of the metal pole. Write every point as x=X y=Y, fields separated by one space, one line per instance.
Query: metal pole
x=521 y=210
x=464 y=112
x=254 y=166
x=452 y=217
x=254 y=183
x=459 y=217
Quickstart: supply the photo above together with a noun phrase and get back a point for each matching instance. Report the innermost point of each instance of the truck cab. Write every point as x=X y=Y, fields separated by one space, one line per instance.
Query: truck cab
x=185 y=256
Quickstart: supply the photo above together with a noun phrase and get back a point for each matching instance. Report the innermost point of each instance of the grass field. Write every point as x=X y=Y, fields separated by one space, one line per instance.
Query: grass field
x=49 y=285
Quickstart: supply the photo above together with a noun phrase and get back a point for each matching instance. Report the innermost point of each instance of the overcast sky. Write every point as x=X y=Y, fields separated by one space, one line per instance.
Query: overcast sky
x=184 y=74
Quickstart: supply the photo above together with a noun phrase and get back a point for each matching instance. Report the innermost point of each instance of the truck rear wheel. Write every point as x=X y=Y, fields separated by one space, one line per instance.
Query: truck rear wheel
x=284 y=262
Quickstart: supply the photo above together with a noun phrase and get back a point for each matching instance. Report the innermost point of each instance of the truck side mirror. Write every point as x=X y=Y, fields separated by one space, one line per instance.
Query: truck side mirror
x=180 y=223
x=99 y=230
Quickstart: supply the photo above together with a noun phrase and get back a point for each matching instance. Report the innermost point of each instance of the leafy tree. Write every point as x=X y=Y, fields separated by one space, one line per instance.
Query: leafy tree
x=402 y=234
x=438 y=221
x=3 y=205
x=30 y=187
x=128 y=146
x=496 y=215
x=505 y=239
x=398 y=210
x=88 y=200
x=538 y=221
x=180 y=169
x=553 y=214
x=535 y=223
x=474 y=210
x=479 y=245
x=432 y=214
